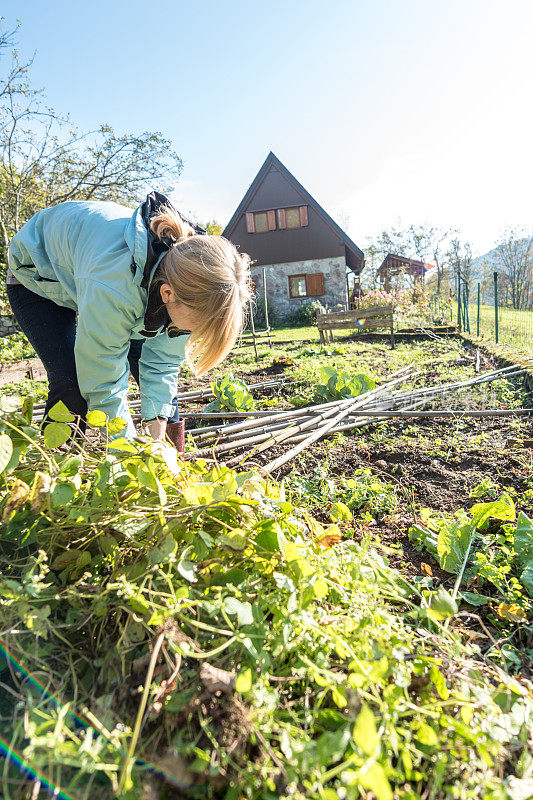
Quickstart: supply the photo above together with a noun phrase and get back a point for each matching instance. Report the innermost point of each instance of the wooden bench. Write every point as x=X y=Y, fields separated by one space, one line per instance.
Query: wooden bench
x=364 y=319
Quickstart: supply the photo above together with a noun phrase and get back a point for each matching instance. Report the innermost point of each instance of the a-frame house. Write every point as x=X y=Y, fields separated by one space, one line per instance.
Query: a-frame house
x=305 y=253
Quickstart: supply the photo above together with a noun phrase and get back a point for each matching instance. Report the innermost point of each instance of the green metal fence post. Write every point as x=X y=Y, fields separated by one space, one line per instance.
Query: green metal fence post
x=478 y=305
x=463 y=304
x=466 y=296
x=459 y=301
x=496 y=307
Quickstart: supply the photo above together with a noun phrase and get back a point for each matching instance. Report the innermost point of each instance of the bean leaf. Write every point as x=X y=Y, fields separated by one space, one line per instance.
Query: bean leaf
x=60 y=413
x=6 y=450
x=243 y=681
x=56 y=434
x=364 y=733
x=96 y=419
x=243 y=611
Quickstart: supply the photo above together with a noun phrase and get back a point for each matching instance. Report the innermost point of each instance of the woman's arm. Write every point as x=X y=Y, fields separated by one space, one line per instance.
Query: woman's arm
x=159 y=366
x=101 y=350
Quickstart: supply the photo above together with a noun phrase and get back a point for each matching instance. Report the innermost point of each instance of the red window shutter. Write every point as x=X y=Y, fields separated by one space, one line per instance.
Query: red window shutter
x=282 y=218
x=271 y=217
x=315 y=284
x=250 y=223
x=303 y=216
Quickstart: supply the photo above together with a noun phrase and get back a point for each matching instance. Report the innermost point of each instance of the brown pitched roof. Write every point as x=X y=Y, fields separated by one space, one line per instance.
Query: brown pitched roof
x=272 y=160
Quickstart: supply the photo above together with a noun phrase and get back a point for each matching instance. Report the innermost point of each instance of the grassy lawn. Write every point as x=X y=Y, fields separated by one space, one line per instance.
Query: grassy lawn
x=515 y=328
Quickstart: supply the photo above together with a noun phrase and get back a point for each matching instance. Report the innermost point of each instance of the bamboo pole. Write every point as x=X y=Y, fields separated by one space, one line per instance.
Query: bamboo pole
x=350 y=424
x=196 y=394
x=506 y=372
x=252 y=325
x=204 y=394
x=400 y=414
x=311 y=409
x=265 y=300
x=445 y=413
x=266 y=440
x=415 y=400
x=281 y=460
x=317 y=434
x=312 y=422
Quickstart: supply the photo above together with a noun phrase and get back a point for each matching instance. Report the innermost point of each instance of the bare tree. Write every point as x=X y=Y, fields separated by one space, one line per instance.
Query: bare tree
x=427 y=244
x=343 y=220
x=514 y=261
x=392 y=241
x=14 y=81
x=44 y=161
x=459 y=258
x=373 y=260
x=421 y=242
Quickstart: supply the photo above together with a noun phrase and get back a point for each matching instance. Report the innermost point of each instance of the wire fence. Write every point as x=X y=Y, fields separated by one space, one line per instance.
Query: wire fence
x=487 y=312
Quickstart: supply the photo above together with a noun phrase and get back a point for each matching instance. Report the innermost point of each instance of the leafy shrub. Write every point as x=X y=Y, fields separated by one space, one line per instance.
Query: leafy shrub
x=324 y=350
x=365 y=492
x=305 y=314
x=283 y=361
x=485 y=488
x=15 y=348
x=485 y=544
x=339 y=385
x=275 y=319
x=362 y=493
x=231 y=394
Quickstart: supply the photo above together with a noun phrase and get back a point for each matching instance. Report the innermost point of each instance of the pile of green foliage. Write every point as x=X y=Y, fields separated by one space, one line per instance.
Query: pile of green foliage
x=323 y=350
x=178 y=629
x=305 y=313
x=487 y=546
x=231 y=394
x=15 y=348
x=338 y=384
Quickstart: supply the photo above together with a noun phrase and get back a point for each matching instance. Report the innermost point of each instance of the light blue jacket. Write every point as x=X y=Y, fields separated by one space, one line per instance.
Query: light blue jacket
x=99 y=258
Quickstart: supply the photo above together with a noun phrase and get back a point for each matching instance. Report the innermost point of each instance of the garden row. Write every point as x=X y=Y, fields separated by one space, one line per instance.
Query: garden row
x=179 y=628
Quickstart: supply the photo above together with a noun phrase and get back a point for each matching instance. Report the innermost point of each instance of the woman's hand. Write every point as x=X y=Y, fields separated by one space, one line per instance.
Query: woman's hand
x=157 y=428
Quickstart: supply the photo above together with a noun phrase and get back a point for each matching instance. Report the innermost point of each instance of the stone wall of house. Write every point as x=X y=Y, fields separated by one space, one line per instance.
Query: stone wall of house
x=8 y=326
x=277 y=280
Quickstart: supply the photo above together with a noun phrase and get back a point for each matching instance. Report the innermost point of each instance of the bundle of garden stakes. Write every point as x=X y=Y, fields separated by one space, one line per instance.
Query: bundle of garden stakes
x=304 y=426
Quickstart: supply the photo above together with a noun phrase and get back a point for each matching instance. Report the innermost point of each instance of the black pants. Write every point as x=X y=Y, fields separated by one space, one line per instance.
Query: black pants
x=51 y=330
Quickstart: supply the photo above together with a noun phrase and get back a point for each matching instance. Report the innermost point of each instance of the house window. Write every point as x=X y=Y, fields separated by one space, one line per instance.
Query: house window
x=281 y=218
x=297 y=286
x=261 y=221
x=311 y=285
x=292 y=217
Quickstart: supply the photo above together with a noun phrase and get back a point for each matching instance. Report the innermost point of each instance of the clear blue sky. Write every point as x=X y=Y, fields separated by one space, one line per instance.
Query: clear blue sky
x=383 y=109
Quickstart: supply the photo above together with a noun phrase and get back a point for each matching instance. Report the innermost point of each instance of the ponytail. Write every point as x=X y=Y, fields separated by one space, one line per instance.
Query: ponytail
x=169 y=223
x=210 y=276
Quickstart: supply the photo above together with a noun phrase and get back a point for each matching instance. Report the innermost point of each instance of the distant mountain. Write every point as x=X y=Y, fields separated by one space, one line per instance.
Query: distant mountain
x=484 y=266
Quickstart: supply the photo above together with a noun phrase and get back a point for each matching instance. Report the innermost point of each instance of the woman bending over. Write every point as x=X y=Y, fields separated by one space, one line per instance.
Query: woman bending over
x=148 y=289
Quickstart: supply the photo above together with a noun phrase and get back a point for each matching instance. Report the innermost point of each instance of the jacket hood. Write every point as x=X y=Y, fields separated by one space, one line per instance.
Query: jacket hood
x=157 y=247
x=156 y=314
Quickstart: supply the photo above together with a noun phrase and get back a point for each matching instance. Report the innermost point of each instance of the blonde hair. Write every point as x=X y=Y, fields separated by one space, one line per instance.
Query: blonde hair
x=210 y=276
